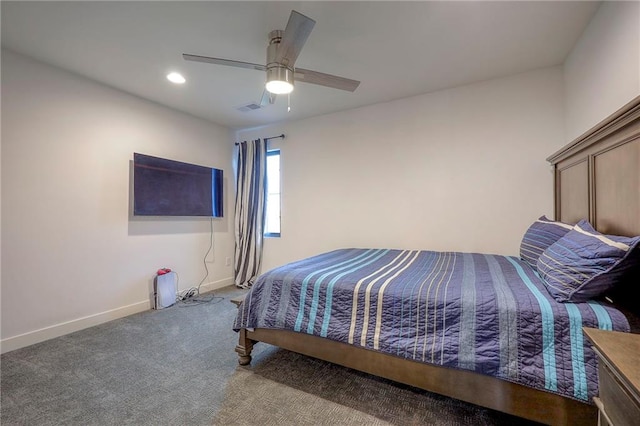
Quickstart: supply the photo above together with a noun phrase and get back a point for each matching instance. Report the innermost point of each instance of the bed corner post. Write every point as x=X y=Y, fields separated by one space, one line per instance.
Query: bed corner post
x=244 y=347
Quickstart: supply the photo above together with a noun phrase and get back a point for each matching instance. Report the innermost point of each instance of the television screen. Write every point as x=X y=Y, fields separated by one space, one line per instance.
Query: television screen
x=170 y=188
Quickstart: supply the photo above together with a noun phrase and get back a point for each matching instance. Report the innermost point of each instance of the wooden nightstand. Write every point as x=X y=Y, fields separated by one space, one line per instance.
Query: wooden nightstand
x=618 y=376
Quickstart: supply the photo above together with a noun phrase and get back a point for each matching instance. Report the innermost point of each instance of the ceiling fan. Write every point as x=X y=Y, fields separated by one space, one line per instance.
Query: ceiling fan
x=282 y=52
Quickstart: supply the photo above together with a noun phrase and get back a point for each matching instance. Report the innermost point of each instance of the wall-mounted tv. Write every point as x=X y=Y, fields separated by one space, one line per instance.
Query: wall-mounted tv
x=164 y=187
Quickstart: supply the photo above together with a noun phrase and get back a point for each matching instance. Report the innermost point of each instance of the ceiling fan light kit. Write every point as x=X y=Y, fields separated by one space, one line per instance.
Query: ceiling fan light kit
x=279 y=79
x=282 y=52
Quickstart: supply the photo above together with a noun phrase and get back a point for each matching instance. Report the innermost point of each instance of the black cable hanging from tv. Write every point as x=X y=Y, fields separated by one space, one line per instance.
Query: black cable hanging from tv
x=269 y=138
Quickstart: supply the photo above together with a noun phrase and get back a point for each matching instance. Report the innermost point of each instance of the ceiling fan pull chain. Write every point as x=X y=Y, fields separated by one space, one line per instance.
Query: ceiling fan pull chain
x=288 y=102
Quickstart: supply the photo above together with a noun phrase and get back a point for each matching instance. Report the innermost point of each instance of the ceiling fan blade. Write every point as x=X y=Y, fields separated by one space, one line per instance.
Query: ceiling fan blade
x=267 y=98
x=220 y=61
x=328 y=80
x=295 y=36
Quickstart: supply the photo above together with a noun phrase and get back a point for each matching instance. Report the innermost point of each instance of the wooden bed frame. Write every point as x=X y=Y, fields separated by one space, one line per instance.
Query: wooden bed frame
x=596 y=177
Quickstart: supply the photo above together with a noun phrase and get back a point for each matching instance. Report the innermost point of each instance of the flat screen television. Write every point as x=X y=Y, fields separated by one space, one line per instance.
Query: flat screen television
x=164 y=187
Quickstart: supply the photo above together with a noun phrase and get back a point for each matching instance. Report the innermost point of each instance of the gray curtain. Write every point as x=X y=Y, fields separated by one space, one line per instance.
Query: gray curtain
x=251 y=175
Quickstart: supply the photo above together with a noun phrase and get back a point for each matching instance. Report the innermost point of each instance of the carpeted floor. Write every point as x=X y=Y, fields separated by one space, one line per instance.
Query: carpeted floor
x=178 y=367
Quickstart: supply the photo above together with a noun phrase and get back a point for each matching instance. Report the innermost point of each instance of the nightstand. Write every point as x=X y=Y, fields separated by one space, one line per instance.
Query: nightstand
x=618 y=376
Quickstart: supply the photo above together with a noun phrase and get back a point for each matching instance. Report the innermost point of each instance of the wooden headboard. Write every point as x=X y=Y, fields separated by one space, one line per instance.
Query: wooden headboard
x=597 y=176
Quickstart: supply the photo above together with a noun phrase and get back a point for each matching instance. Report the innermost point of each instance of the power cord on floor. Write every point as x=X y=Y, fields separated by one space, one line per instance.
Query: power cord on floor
x=200 y=300
x=183 y=295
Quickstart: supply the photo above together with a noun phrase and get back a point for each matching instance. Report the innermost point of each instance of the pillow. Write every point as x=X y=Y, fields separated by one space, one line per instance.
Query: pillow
x=585 y=263
x=540 y=235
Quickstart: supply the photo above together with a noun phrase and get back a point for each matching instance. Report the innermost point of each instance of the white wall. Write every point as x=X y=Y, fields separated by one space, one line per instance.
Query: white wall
x=602 y=72
x=72 y=255
x=461 y=169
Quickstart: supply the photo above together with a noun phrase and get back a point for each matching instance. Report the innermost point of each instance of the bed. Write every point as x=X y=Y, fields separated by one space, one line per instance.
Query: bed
x=416 y=316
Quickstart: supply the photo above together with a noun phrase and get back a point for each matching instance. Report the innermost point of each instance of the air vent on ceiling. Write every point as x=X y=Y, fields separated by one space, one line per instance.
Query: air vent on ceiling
x=248 y=107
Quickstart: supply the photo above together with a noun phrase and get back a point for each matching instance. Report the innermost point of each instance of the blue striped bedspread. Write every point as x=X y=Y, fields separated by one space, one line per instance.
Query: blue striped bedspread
x=486 y=313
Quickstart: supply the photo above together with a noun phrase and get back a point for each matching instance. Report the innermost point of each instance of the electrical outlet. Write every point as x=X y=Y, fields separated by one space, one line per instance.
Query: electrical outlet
x=227 y=261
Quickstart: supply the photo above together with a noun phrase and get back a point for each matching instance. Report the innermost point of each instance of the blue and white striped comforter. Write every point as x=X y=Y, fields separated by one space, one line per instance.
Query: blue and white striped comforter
x=485 y=313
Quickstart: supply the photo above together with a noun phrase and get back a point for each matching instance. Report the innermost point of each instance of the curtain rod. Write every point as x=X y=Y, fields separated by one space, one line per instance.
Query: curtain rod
x=267 y=139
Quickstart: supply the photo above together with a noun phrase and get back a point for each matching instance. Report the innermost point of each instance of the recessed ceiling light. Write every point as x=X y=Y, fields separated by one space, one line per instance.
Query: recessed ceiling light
x=176 y=78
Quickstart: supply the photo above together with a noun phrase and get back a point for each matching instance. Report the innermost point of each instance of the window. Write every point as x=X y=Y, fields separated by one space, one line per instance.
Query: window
x=272 y=221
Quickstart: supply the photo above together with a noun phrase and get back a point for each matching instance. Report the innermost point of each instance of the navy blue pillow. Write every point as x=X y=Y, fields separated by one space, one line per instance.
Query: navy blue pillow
x=585 y=263
x=540 y=235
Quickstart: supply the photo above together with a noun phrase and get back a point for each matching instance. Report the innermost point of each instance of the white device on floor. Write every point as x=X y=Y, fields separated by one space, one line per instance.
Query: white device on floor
x=165 y=287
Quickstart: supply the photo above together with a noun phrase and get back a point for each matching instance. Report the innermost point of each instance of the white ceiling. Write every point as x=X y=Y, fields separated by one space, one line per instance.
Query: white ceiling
x=397 y=49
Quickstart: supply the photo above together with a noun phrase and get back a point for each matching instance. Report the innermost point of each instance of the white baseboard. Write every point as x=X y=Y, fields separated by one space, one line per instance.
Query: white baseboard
x=214 y=285
x=32 y=337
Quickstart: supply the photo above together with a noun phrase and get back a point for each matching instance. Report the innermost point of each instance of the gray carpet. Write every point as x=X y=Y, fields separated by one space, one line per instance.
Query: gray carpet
x=177 y=367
